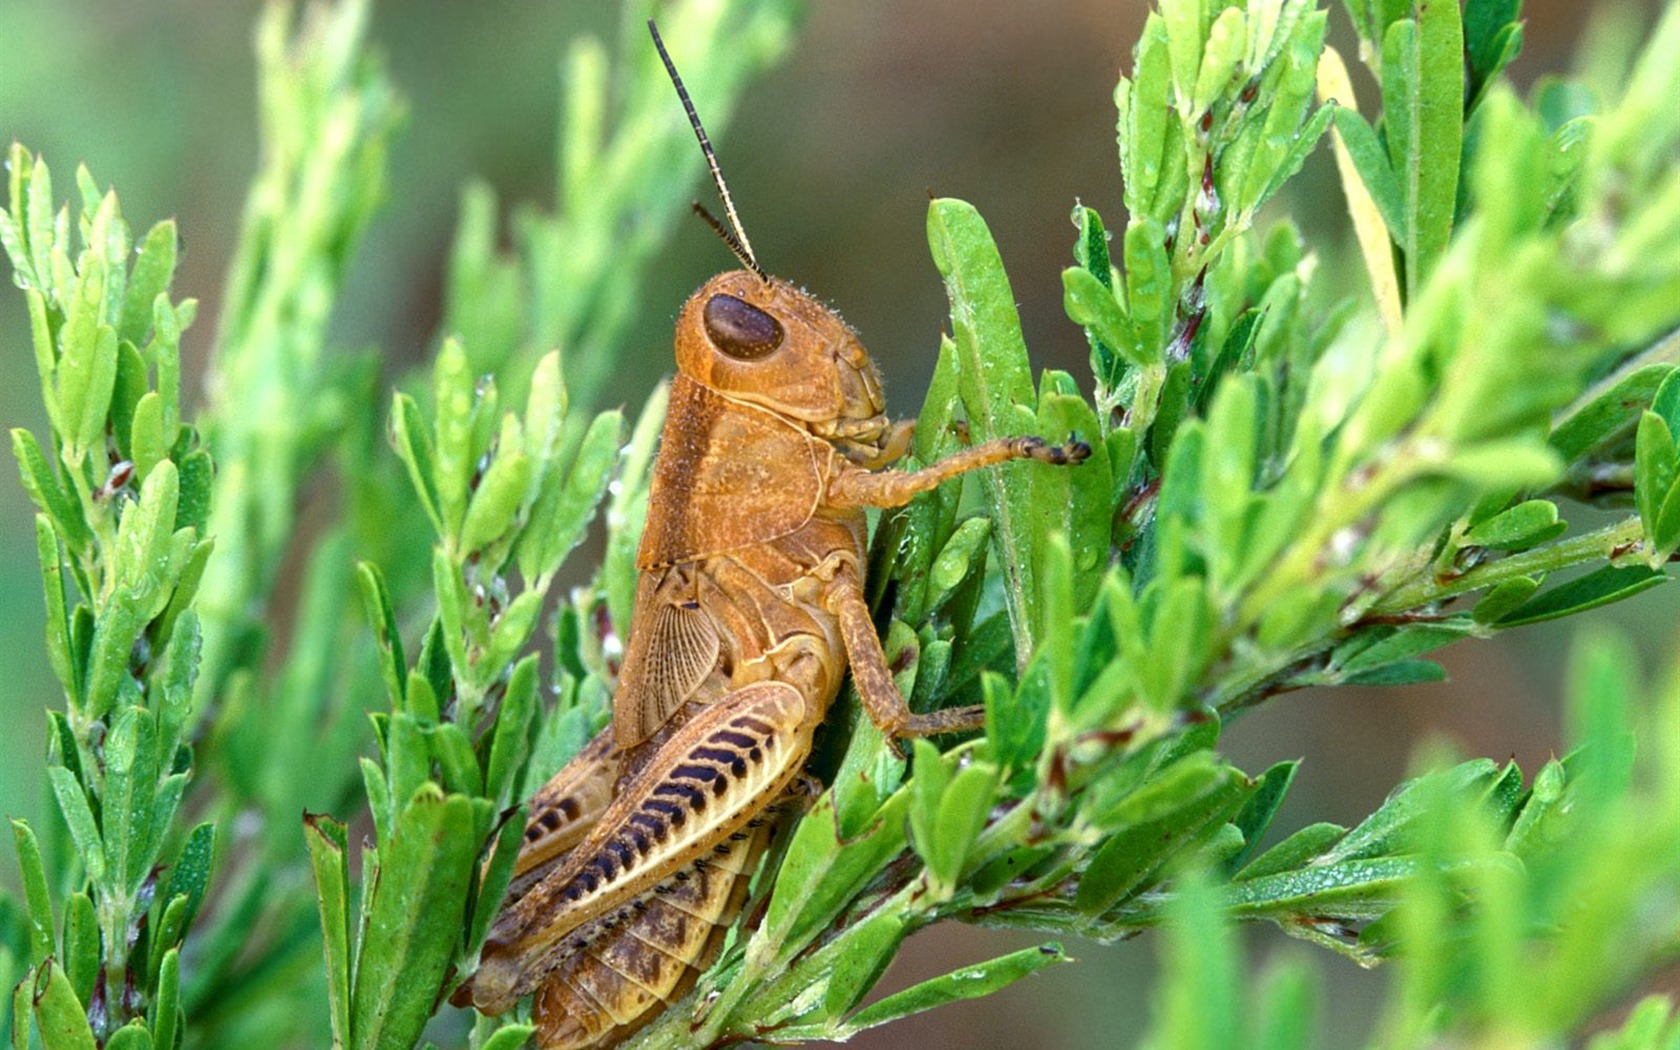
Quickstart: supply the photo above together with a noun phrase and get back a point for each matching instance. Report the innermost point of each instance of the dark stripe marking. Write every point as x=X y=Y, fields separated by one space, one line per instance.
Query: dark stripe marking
x=700 y=773
x=675 y=812
x=713 y=754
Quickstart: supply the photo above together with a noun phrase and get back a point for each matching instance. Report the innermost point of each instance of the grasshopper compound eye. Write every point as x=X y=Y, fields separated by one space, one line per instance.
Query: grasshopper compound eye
x=741 y=330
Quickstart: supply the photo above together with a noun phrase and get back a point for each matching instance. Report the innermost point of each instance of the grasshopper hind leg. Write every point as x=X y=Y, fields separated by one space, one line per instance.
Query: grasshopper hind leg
x=680 y=813
x=649 y=954
x=564 y=810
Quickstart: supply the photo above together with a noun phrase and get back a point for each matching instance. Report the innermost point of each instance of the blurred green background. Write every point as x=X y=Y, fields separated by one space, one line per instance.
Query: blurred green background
x=831 y=158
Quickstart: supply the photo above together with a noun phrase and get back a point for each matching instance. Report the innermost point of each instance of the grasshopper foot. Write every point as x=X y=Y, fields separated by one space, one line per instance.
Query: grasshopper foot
x=1074 y=451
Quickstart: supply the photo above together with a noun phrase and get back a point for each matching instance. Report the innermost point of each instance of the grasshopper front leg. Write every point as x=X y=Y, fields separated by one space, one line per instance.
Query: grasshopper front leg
x=894 y=488
x=857 y=487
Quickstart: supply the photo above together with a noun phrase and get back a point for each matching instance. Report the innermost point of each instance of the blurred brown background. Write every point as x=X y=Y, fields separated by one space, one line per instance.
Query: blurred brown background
x=831 y=158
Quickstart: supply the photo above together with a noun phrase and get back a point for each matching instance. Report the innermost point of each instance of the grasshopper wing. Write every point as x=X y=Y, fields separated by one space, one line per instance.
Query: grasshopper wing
x=673 y=647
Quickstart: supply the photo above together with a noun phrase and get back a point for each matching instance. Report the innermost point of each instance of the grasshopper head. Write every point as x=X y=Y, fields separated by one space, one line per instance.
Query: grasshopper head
x=767 y=343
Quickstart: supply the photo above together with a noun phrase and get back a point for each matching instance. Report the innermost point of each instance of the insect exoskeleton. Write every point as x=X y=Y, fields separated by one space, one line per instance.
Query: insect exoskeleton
x=749 y=609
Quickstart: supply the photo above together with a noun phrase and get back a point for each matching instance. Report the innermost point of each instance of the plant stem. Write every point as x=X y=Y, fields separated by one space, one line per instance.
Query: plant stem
x=1609 y=543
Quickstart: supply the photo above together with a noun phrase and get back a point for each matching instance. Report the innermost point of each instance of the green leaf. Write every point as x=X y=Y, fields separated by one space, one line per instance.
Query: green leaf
x=1368 y=651
x=87 y=365
x=1371 y=161
x=1199 y=1005
x=1423 y=108
x=147 y=441
x=1606 y=410
x=565 y=506
x=1400 y=672
x=131 y=385
x=1145 y=117
x=376 y=600
x=997 y=391
x=38 y=218
x=1363 y=888
x=1656 y=465
x=968 y=982
x=415 y=919
x=961 y=817
x=497 y=501
x=84 y=831
x=1227 y=40
x=452 y=389
x=192 y=509
x=495 y=875
x=1186 y=24
x=1666 y=402
x=1600 y=587
x=1076 y=502
x=1525 y=525
x=1501 y=599
x=328 y=845
x=131 y=1036
x=1294 y=851
x=453 y=753
x=510 y=742
x=408 y=758
x=61 y=1018
x=855 y=960
x=820 y=872
x=409 y=436
x=1149 y=286
x=1090 y=251
x=59 y=648
x=34 y=892
x=46 y=493
x=1492 y=37
x=927 y=784
x=189 y=877
x=1091 y=303
x=154 y=268
x=1400 y=812
x=509 y=635
x=1257 y=813
x=1665 y=536
x=1155 y=823
x=131 y=776
x=956 y=562
x=81 y=957
x=510 y=1037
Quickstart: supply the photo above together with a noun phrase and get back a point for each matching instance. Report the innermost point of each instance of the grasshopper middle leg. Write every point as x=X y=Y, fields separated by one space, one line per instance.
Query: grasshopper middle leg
x=882 y=701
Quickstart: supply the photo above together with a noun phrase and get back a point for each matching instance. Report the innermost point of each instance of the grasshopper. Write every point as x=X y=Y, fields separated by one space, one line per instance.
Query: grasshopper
x=749 y=608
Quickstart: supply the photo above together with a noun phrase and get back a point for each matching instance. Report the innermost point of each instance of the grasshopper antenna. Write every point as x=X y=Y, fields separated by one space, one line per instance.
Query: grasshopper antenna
x=737 y=240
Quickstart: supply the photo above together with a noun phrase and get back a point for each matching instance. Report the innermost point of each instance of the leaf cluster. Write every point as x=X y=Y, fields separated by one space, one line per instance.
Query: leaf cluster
x=1284 y=491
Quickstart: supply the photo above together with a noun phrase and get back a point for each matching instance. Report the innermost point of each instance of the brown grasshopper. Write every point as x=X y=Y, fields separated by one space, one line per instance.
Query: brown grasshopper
x=749 y=608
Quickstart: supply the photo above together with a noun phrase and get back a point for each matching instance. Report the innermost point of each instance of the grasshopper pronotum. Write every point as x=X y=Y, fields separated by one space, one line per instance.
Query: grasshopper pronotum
x=749 y=608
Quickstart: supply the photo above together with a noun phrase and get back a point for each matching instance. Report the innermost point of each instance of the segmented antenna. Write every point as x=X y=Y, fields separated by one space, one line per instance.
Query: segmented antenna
x=737 y=240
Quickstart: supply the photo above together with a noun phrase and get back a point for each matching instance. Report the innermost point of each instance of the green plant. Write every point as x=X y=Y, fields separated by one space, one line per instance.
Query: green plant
x=1287 y=489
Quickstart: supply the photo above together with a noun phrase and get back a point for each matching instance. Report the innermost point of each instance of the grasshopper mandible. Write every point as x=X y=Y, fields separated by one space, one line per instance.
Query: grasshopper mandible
x=749 y=608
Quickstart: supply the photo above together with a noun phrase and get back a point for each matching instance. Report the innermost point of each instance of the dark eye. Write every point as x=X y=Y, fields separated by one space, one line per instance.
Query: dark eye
x=741 y=330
